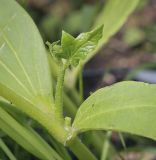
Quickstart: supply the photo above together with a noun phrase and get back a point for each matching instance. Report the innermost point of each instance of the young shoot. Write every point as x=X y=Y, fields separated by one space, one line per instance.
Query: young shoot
x=69 y=53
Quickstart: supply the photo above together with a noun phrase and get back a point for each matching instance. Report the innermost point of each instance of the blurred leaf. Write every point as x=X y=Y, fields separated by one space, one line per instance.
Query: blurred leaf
x=133 y=36
x=26 y=137
x=74 y=23
x=126 y=106
x=150 y=32
x=7 y=151
x=113 y=16
x=50 y=27
x=142 y=4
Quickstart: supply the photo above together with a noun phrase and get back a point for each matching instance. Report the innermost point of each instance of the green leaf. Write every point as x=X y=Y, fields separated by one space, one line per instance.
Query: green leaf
x=25 y=136
x=24 y=72
x=86 y=43
x=76 y=49
x=126 y=106
x=68 y=45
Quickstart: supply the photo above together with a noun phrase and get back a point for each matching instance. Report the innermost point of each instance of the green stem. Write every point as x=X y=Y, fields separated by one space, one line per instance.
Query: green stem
x=97 y=140
x=60 y=149
x=61 y=134
x=106 y=146
x=81 y=83
x=80 y=150
x=7 y=150
x=71 y=108
x=58 y=110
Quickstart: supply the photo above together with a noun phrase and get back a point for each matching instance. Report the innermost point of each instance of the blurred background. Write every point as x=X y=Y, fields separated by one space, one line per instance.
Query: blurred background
x=129 y=55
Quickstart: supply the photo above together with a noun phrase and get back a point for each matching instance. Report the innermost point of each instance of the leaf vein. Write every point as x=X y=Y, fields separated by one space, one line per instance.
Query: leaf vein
x=19 y=61
x=14 y=76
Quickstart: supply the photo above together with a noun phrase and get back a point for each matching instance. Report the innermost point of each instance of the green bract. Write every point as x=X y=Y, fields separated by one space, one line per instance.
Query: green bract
x=76 y=49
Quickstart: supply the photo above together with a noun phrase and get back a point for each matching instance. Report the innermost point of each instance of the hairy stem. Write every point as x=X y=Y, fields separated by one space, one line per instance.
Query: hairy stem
x=81 y=83
x=58 y=110
x=71 y=104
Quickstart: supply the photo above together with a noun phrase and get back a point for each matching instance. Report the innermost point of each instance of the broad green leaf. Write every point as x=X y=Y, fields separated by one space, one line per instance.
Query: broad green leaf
x=26 y=137
x=76 y=49
x=24 y=71
x=126 y=106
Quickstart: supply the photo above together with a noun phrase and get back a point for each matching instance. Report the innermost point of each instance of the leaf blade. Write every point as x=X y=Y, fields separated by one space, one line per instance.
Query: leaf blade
x=24 y=69
x=127 y=106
